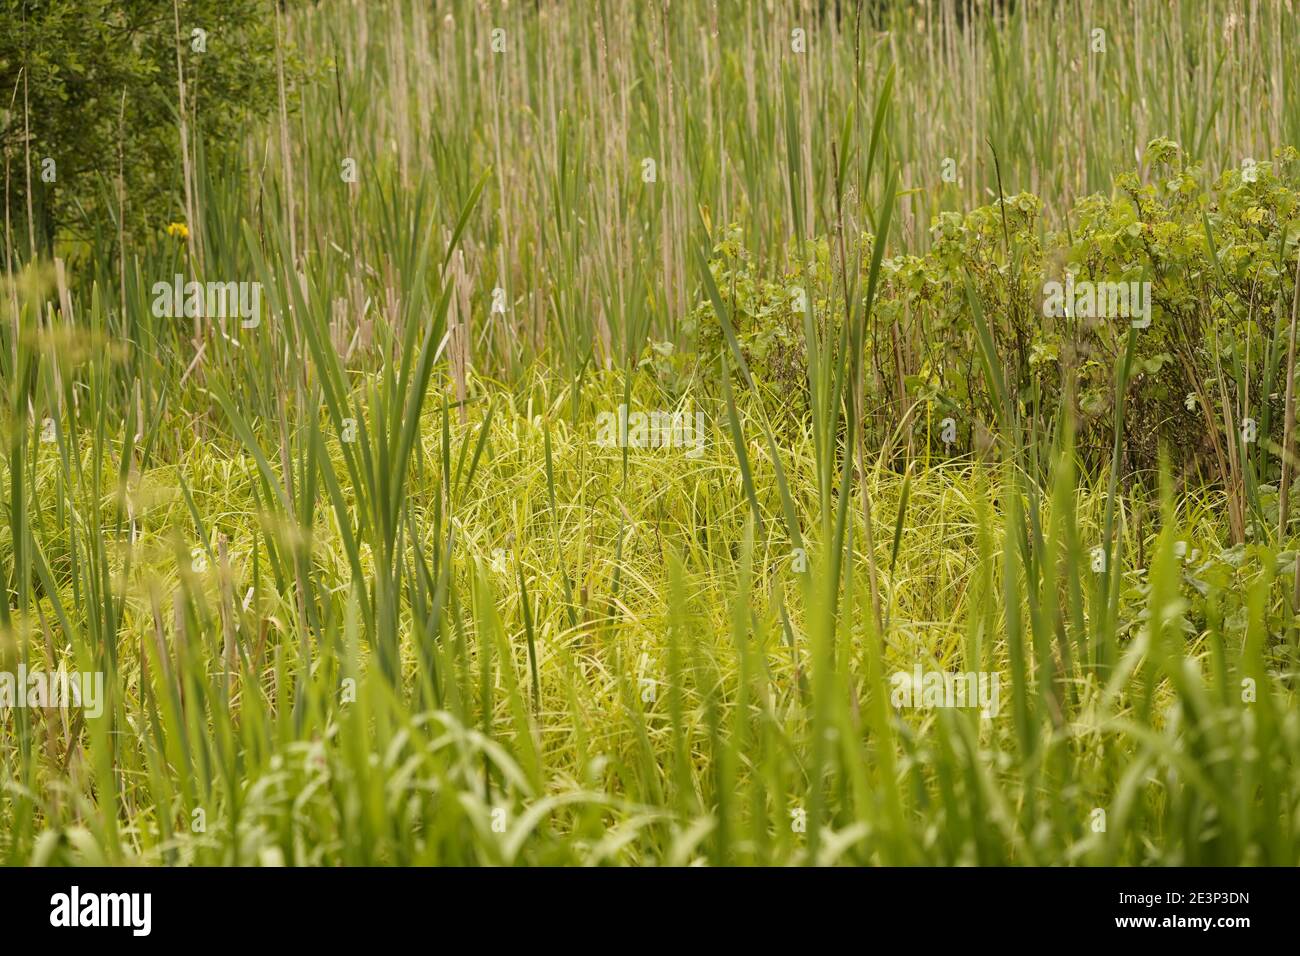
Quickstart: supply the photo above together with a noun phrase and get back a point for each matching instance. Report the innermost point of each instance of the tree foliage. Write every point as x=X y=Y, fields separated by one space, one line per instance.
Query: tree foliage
x=90 y=105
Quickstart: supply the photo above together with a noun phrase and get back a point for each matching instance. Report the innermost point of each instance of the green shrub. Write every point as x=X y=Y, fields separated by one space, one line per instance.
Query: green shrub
x=1220 y=261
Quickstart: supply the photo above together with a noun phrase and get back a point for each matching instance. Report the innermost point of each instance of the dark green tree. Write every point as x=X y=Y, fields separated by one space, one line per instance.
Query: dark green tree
x=90 y=105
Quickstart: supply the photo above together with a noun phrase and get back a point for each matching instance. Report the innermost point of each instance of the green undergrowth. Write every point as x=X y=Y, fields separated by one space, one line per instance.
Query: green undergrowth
x=611 y=665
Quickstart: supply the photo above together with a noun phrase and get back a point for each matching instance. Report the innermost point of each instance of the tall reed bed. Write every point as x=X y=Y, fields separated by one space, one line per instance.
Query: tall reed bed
x=366 y=589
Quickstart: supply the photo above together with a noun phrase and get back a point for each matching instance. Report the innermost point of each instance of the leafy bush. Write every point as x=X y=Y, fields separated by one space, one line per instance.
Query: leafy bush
x=1220 y=261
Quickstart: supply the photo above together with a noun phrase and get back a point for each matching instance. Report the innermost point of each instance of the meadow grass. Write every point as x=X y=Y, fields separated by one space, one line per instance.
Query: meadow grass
x=686 y=703
x=367 y=590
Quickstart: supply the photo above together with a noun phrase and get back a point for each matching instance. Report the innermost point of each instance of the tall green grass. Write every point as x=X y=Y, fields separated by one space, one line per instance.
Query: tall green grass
x=366 y=590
